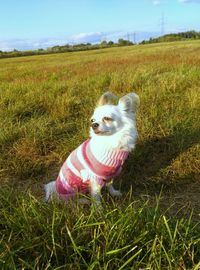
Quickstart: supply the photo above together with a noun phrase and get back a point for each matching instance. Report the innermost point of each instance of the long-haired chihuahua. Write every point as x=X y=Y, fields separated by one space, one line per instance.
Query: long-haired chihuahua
x=99 y=159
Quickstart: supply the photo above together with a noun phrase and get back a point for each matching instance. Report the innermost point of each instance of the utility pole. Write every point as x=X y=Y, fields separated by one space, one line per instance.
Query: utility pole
x=131 y=37
x=134 y=38
x=128 y=37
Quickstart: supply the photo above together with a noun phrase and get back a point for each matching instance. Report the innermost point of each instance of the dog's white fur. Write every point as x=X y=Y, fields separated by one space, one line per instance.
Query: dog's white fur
x=116 y=129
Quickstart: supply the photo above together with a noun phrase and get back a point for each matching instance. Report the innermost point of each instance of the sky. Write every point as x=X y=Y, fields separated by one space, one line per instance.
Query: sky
x=32 y=24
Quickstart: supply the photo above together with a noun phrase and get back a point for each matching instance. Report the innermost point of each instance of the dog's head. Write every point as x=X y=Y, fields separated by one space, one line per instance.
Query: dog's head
x=108 y=119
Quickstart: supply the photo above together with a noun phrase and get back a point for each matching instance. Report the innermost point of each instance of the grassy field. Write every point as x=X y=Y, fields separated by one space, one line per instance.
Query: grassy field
x=45 y=107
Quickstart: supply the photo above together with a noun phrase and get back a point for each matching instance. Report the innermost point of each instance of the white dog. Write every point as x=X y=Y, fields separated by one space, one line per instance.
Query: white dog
x=99 y=159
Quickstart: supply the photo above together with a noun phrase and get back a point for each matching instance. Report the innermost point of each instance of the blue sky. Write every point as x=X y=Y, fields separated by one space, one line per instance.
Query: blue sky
x=29 y=24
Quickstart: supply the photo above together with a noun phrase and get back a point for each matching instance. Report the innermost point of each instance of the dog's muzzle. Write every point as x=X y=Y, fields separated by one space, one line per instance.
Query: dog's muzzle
x=95 y=126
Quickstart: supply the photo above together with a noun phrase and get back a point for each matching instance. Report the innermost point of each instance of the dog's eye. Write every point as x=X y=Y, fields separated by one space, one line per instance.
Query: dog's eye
x=107 y=119
x=92 y=120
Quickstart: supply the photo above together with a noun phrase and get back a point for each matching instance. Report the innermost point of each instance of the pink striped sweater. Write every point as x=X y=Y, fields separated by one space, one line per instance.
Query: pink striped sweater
x=88 y=163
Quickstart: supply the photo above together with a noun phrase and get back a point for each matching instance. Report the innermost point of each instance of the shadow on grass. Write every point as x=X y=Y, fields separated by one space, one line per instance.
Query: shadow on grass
x=147 y=167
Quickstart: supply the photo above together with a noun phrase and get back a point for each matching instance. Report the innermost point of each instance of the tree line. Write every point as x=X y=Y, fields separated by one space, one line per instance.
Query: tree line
x=66 y=48
x=182 y=36
x=188 y=35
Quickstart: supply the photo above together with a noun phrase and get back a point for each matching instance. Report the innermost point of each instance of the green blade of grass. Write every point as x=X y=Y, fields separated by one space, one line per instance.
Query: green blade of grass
x=130 y=259
x=76 y=249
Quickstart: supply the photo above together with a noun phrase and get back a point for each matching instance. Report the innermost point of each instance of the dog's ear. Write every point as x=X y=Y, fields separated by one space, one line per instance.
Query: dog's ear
x=107 y=98
x=129 y=102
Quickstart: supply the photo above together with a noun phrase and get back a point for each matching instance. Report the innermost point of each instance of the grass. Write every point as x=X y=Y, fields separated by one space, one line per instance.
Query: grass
x=45 y=105
x=125 y=235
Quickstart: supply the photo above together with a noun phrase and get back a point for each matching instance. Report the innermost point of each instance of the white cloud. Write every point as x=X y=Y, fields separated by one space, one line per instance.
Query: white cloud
x=189 y=1
x=156 y=2
x=32 y=44
x=159 y=2
x=87 y=37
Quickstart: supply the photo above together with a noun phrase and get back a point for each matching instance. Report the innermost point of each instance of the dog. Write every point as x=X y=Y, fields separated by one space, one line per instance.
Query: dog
x=98 y=160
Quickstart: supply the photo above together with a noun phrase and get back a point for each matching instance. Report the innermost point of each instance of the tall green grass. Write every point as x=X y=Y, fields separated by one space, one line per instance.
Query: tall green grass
x=124 y=235
x=45 y=106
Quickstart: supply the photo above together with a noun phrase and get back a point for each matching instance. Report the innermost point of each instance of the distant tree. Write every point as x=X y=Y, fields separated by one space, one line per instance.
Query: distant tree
x=124 y=42
x=104 y=43
x=55 y=48
x=110 y=43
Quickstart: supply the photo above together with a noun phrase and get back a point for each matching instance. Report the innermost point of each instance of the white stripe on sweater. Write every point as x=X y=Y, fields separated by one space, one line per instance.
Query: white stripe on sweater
x=64 y=181
x=82 y=161
x=71 y=167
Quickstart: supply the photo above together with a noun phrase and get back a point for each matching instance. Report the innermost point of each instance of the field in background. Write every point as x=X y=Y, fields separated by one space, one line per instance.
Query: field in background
x=45 y=107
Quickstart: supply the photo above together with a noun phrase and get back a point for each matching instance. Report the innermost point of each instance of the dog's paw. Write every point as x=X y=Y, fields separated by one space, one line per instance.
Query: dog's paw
x=115 y=193
x=50 y=189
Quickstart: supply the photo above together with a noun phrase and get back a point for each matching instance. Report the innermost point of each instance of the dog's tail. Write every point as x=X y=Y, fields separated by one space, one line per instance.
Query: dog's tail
x=50 y=189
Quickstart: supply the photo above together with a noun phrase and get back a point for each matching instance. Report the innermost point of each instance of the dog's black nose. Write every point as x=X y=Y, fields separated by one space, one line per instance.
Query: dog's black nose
x=95 y=125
